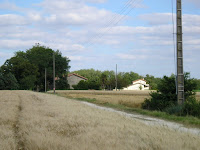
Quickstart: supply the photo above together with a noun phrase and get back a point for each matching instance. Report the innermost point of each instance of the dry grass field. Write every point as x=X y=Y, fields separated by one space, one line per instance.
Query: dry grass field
x=37 y=121
x=127 y=98
x=198 y=96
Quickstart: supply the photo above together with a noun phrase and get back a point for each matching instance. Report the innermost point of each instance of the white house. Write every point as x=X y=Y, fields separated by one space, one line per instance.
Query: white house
x=139 y=84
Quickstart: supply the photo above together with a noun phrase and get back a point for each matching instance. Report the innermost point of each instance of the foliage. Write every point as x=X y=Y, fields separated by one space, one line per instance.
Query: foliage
x=82 y=85
x=192 y=107
x=8 y=81
x=106 y=79
x=197 y=81
x=62 y=83
x=28 y=67
x=152 y=81
x=166 y=96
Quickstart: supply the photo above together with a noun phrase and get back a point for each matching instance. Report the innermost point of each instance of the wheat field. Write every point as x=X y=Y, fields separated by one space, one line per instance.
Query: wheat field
x=128 y=98
x=132 y=99
x=38 y=121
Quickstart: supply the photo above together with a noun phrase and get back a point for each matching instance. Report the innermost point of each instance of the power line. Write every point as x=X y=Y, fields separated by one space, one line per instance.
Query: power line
x=133 y=4
x=174 y=43
x=115 y=23
x=113 y=18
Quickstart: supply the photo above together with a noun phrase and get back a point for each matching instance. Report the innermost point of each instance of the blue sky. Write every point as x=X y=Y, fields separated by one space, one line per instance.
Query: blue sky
x=135 y=34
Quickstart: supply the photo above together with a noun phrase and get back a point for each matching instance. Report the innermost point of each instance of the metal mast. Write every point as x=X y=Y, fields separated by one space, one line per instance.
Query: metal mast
x=180 y=73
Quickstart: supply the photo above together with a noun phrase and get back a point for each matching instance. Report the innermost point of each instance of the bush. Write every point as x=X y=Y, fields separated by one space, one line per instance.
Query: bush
x=165 y=98
x=192 y=107
x=82 y=85
x=62 y=84
x=175 y=110
x=157 y=101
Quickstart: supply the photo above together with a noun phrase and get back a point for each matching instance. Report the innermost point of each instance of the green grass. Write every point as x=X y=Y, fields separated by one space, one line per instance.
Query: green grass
x=87 y=100
x=196 y=90
x=185 y=120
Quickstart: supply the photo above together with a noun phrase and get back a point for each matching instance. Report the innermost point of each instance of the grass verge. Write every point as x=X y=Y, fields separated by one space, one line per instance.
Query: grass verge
x=188 y=121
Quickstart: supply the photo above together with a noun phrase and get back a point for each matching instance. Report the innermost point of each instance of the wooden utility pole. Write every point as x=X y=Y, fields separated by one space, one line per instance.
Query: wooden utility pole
x=180 y=73
x=116 y=78
x=54 y=73
x=45 y=80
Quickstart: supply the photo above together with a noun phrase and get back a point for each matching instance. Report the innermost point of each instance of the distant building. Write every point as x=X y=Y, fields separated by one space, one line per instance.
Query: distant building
x=74 y=79
x=139 y=84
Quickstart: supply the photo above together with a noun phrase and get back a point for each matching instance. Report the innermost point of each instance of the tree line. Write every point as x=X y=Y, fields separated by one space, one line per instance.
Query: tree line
x=26 y=70
x=107 y=79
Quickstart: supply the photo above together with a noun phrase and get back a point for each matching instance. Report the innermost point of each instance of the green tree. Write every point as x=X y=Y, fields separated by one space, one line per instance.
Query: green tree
x=131 y=76
x=23 y=70
x=8 y=82
x=152 y=81
x=103 y=80
x=2 y=84
x=28 y=67
x=62 y=84
x=82 y=85
x=42 y=57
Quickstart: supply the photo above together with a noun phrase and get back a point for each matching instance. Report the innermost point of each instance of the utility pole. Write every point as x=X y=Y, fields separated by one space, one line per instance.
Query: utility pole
x=116 y=78
x=180 y=73
x=45 y=80
x=54 y=73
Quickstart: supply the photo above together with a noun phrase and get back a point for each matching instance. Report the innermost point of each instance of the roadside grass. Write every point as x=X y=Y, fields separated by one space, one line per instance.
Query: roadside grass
x=196 y=90
x=188 y=121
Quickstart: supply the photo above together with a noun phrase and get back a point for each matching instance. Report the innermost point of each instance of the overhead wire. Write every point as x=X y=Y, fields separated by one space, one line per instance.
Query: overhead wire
x=110 y=22
x=174 y=44
x=130 y=5
x=112 y=19
x=115 y=23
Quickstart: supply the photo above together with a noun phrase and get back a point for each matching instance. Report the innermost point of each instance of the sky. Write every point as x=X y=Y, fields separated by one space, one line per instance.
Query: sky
x=137 y=35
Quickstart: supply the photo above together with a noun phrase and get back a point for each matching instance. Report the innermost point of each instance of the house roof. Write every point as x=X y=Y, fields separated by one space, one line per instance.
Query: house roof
x=74 y=74
x=139 y=80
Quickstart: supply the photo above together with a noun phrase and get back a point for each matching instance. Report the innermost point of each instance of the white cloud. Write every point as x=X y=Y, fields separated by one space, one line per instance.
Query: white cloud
x=75 y=58
x=8 y=6
x=65 y=13
x=131 y=57
x=12 y=19
x=157 y=18
x=196 y=3
x=68 y=25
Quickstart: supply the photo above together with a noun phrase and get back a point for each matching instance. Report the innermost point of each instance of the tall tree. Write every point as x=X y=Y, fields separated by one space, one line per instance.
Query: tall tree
x=28 y=67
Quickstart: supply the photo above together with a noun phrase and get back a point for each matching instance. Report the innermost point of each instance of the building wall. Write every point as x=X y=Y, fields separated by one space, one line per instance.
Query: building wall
x=136 y=86
x=74 y=80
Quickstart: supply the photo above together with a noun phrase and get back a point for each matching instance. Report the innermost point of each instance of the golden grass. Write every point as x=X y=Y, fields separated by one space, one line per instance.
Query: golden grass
x=198 y=96
x=132 y=99
x=8 y=118
x=128 y=98
x=47 y=122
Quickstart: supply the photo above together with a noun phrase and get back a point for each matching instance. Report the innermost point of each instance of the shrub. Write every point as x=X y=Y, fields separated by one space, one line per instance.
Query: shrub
x=175 y=110
x=157 y=101
x=165 y=97
x=192 y=107
x=82 y=85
